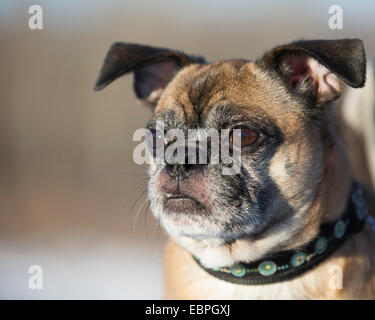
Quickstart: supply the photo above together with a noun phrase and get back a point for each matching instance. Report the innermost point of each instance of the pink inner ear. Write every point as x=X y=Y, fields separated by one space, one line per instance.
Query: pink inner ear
x=306 y=67
x=162 y=73
x=300 y=70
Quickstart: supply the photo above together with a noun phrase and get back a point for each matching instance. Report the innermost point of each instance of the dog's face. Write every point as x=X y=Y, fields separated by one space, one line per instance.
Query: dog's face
x=235 y=94
x=278 y=103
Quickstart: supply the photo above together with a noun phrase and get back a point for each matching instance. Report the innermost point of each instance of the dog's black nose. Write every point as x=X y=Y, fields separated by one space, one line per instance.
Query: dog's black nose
x=179 y=171
x=193 y=159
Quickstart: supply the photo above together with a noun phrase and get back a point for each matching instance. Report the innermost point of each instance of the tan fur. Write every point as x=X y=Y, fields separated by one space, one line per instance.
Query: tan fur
x=355 y=115
x=186 y=280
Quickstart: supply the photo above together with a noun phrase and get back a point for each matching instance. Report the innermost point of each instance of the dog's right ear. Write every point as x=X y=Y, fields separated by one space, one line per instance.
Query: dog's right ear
x=318 y=69
x=153 y=68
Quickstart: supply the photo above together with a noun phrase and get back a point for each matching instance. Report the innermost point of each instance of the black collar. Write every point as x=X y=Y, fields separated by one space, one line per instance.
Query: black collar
x=287 y=265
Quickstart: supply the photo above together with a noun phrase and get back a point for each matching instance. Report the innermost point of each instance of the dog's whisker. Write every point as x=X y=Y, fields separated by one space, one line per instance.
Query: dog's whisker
x=137 y=214
x=146 y=210
x=138 y=198
x=156 y=225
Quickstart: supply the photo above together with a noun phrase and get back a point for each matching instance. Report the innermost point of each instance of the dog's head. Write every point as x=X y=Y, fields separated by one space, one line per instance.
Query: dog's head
x=279 y=106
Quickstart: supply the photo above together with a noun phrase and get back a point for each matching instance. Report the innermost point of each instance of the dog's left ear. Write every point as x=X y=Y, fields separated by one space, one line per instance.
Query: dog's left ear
x=318 y=69
x=153 y=68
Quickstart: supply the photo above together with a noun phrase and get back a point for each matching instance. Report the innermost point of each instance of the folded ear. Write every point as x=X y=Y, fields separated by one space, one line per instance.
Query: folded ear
x=318 y=69
x=153 y=68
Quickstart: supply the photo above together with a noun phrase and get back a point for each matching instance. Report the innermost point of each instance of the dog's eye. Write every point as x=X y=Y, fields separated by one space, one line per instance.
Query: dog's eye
x=242 y=137
x=155 y=139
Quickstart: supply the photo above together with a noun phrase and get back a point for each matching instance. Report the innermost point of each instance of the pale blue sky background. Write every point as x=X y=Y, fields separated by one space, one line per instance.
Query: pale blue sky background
x=264 y=18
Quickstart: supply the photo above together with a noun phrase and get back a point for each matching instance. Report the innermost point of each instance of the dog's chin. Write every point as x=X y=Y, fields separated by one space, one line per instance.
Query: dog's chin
x=214 y=241
x=212 y=253
x=196 y=234
x=180 y=224
x=183 y=215
x=204 y=240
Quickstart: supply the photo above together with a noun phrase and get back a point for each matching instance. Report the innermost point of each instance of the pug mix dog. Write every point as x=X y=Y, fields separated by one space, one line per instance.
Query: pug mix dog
x=292 y=223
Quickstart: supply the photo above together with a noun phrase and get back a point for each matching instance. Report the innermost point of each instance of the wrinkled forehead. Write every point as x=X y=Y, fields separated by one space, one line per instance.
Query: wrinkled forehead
x=197 y=90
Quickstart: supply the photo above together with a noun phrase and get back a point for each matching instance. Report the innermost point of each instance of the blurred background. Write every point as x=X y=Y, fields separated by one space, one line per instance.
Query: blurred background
x=71 y=198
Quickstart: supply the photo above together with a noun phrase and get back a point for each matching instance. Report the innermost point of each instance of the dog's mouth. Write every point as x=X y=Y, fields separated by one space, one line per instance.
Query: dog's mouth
x=182 y=203
x=184 y=208
x=184 y=215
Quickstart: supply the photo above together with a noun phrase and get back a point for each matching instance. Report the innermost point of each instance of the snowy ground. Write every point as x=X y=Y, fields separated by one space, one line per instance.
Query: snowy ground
x=101 y=270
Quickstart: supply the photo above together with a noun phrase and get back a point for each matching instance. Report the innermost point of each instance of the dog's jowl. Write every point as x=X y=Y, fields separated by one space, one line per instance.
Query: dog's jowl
x=274 y=228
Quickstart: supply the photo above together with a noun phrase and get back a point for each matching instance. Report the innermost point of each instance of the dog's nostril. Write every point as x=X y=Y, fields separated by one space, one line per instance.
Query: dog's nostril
x=194 y=158
x=180 y=171
x=171 y=170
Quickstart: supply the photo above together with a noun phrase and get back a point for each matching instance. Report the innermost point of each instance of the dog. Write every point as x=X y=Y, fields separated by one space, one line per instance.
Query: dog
x=293 y=222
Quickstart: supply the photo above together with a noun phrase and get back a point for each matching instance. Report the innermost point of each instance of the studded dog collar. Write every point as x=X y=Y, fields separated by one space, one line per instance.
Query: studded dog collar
x=287 y=265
